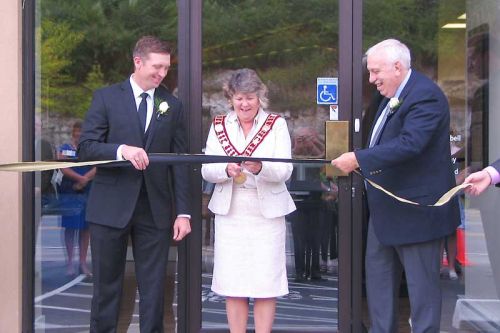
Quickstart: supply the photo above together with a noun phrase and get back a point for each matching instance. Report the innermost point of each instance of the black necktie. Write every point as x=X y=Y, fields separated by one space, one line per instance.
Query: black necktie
x=143 y=110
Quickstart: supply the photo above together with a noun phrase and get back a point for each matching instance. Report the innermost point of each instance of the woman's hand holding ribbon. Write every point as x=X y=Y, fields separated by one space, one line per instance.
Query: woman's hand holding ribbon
x=233 y=169
x=252 y=166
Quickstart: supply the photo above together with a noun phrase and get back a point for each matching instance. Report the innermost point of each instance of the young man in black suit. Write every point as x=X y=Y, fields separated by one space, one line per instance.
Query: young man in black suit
x=126 y=121
x=408 y=154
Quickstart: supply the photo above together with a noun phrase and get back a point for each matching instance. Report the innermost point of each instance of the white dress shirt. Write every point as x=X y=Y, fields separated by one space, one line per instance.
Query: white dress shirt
x=150 y=104
x=137 y=91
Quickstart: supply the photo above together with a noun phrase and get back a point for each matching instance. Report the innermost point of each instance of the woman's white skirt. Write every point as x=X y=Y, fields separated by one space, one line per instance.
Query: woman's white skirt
x=249 y=250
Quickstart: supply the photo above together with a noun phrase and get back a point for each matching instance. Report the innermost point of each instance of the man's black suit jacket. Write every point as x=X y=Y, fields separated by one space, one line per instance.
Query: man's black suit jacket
x=113 y=120
x=413 y=160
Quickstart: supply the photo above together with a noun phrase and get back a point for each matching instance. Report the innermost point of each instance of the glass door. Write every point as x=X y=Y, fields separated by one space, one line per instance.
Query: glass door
x=81 y=46
x=477 y=308
x=290 y=44
x=456 y=43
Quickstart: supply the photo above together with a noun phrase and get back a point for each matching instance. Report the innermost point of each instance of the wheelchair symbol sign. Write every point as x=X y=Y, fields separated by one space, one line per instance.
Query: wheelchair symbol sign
x=326 y=88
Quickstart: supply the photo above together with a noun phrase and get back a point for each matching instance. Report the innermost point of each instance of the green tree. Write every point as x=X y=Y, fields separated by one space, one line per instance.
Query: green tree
x=57 y=44
x=290 y=42
x=87 y=44
x=111 y=27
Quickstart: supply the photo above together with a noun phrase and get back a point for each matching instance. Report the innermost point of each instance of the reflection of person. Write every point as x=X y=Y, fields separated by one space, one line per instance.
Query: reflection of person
x=308 y=223
x=73 y=193
x=44 y=189
x=250 y=201
x=125 y=121
x=43 y=152
x=482 y=179
x=330 y=218
x=306 y=142
x=308 y=220
x=401 y=236
x=449 y=243
x=307 y=231
x=206 y=214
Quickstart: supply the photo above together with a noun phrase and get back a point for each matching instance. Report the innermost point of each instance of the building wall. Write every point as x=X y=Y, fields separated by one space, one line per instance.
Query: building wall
x=10 y=183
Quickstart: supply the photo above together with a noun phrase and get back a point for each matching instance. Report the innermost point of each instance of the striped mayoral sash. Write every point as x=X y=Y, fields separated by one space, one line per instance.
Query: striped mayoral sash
x=230 y=149
x=227 y=145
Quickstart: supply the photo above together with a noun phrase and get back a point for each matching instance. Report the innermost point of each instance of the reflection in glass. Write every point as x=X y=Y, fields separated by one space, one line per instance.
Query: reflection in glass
x=289 y=44
x=81 y=46
x=478 y=309
x=462 y=62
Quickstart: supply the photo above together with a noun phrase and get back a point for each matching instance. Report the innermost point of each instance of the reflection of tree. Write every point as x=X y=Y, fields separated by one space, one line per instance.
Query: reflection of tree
x=416 y=23
x=86 y=44
x=57 y=44
x=289 y=42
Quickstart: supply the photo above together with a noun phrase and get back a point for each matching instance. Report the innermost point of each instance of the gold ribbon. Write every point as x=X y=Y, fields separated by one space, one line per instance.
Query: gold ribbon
x=45 y=165
x=445 y=198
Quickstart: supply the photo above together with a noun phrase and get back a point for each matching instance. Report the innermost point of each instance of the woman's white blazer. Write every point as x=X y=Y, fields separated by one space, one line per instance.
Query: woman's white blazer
x=274 y=200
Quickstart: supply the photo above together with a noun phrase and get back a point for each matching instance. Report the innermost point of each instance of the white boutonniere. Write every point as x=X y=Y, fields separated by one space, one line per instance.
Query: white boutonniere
x=394 y=104
x=161 y=107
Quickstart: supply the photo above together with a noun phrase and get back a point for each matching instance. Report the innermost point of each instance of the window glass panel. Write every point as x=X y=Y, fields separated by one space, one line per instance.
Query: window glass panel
x=478 y=309
x=289 y=44
x=456 y=44
x=81 y=46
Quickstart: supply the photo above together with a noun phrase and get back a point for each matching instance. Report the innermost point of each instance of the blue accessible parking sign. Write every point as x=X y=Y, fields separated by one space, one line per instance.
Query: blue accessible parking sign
x=326 y=90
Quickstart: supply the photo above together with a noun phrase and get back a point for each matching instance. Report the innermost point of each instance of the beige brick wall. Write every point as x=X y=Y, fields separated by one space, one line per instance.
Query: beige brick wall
x=10 y=183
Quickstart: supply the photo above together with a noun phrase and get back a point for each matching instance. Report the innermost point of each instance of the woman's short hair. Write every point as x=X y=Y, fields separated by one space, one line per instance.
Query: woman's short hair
x=150 y=44
x=246 y=81
x=394 y=50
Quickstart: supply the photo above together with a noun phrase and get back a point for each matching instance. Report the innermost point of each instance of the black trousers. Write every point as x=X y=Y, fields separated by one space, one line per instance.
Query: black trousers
x=329 y=248
x=109 y=248
x=307 y=232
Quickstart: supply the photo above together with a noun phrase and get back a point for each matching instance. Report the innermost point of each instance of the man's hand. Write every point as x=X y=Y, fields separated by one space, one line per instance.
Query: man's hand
x=346 y=162
x=182 y=227
x=136 y=155
x=480 y=181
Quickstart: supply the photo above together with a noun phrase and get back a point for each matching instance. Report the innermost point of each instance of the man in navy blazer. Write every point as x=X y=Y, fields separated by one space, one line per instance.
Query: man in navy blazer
x=482 y=179
x=408 y=154
x=125 y=122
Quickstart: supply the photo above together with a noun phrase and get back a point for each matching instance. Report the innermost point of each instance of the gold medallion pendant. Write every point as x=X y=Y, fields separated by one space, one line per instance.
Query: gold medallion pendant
x=240 y=179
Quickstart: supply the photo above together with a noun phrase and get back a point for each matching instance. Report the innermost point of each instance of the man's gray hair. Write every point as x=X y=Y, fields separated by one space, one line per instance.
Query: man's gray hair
x=394 y=50
x=246 y=81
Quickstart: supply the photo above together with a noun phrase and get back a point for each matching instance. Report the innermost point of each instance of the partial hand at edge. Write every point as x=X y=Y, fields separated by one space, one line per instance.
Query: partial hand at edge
x=346 y=162
x=480 y=181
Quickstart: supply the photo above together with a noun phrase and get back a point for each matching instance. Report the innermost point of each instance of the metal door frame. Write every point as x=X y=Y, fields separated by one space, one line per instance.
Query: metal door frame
x=350 y=188
x=190 y=92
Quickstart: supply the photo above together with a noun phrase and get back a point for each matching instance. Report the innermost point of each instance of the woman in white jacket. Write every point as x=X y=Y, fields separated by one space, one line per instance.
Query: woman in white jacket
x=250 y=201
